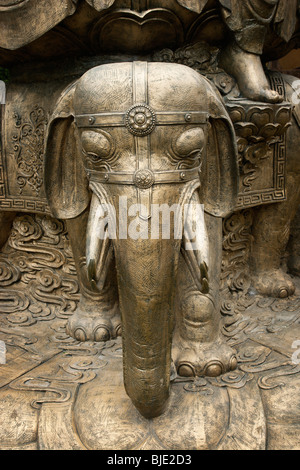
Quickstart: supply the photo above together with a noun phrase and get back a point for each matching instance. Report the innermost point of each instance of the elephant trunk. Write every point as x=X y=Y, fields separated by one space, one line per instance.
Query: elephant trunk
x=146 y=284
x=146 y=270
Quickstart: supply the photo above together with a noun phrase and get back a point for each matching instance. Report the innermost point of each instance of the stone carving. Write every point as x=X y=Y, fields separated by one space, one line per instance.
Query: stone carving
x=208 y=333
x=202 y=57
x=260 y=128
x=237 y=242
x=261 y=132
x=28 y=146
x=152 y=125
x=43 y=270
x=45 y=404
x=263 y=151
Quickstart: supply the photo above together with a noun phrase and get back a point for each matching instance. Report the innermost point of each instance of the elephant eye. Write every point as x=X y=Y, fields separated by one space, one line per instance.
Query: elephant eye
x=96 y=144
x=190 y=142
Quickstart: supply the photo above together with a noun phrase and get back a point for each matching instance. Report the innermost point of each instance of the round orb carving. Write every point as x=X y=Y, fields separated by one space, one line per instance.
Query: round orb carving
x=144 y=179
x=140 y=120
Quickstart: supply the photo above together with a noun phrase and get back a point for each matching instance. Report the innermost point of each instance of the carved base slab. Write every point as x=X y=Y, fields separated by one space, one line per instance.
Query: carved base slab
x=56 y=393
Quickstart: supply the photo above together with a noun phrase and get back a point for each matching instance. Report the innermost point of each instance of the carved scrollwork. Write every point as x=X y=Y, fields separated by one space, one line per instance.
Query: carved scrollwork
x=236 y=251
x=29 y=149
x=199 y=386
x=37 y=272
x=33 y=236
x=40 y=384
x=270 y=381
x=204 y=59
x=257 y=128
x=9 y=274
x=235 y=380
x=12 y=300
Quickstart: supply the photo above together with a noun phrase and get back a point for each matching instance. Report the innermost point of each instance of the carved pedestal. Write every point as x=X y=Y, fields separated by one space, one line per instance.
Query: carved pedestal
x=56 y=393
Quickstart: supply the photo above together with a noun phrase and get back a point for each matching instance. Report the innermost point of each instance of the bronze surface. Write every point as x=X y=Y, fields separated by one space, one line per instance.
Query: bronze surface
x=56 y=392
x=114 y=332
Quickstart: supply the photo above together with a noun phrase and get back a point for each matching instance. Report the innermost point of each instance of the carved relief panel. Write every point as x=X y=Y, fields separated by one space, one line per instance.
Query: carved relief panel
x=24 y=124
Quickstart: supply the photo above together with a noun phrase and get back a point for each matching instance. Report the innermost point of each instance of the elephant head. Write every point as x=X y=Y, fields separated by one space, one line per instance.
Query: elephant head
x=148 y=134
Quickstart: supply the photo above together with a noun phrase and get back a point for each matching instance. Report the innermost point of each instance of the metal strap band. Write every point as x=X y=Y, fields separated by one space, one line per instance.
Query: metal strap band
x=144 y=179
x=139 y=82
x=162 y=119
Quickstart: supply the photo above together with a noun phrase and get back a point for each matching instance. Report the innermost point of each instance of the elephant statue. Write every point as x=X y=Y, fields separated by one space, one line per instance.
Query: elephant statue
x=156 y=135
x=117 y=122
x=152 y=134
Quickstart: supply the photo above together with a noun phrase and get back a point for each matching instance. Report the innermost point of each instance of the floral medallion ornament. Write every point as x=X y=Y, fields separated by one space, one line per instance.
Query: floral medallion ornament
x=144 y=179
x=140 y=120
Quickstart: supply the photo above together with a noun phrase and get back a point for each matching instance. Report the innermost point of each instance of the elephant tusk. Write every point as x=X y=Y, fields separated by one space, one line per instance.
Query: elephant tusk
x=92 y=270
x=104 y=262
x=92 y=274
x=195 y=247
x=98 y=247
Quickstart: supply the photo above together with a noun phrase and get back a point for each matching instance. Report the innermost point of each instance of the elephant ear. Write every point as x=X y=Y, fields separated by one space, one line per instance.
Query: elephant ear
x=66 y=184
x=220 y=172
